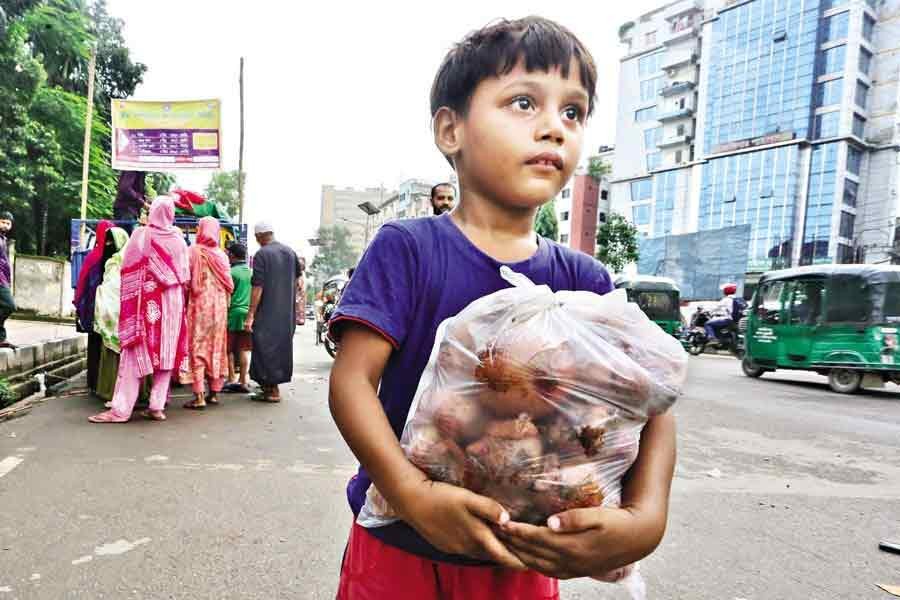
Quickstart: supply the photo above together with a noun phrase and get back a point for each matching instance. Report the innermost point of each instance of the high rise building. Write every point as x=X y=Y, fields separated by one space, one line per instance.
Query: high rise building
x=778 y=114
x=340 y=207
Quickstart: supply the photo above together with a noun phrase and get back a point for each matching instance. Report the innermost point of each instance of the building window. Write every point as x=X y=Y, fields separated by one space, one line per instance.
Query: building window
x=564 y=216
x=645 y=114
x=868 y=27
x=827 y=125
x=862 y=94
x=854 y=160
x=829 y=92
x=845 y=254
x=564 y=238
x=820 y=201
x=652 y=138
x=832 y=60
x=650 y=88
x=641 y=190
x=836 y=27
x=654 y=160
x=640 y=214
x=649 y=65
x=604 y=194
x=859 y=126
x=865 y=61
x=650 y=38
x=678 y=157
x=566 y=193
x=829 y=4
x=850 y=190
x=847 y=222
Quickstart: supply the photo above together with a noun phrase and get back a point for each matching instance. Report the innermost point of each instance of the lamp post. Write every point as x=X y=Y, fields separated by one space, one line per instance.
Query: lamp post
x=370 y=210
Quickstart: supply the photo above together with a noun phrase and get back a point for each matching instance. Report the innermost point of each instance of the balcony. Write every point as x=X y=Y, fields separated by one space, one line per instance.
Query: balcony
x=674 y=115
x=677 y=34
x=673 y=60
x=677 y=87
x=674 y=141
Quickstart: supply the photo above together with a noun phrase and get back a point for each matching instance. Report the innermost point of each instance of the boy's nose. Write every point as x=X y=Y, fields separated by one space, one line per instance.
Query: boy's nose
x=551 y=128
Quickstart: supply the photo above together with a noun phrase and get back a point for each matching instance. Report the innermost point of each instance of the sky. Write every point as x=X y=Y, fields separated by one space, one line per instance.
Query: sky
x=335 y=92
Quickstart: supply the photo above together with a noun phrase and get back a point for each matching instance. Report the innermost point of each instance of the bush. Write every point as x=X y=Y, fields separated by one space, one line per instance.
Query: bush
x=6 y=394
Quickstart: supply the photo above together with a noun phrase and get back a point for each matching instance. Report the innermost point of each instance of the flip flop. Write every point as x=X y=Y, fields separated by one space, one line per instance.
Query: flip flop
x=236 y=388
x=212 y=401
x=154 y=415
x=192 y=405
x=258 y=397
x=107 y=417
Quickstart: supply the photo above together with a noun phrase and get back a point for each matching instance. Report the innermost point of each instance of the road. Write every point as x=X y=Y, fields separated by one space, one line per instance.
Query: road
x=783 y=490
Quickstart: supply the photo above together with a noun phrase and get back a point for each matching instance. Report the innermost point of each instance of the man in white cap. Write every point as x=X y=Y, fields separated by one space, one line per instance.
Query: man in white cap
x=271 y=315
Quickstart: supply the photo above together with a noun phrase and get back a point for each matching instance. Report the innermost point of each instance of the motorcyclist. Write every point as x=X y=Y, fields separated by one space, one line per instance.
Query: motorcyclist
x=723 y=313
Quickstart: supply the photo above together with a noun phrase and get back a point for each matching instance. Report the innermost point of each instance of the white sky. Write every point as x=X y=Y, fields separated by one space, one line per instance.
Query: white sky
x=335 y=92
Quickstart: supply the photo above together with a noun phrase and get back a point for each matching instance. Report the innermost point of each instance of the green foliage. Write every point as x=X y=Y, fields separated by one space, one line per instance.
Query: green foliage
x=6 y=394
x=59 y=32
x=335 y=254
x=159 y=183
x=617 y=243
x=223 y=191
x=597 y=168
x=545 y=224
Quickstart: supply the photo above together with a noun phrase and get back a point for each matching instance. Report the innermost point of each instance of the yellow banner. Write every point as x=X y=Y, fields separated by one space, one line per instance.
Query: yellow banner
x=194 y=114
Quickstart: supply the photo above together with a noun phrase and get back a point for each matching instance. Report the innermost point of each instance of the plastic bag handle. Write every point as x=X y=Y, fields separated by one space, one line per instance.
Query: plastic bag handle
x=515 y=279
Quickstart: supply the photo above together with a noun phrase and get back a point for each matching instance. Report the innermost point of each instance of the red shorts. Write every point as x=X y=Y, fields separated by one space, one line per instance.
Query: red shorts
x=240 y=341
x=373 y=570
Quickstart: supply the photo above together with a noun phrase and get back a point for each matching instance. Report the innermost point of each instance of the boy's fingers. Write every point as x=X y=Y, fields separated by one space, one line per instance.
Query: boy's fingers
x=498 y=552
x=486 y=509
x=518 y=545
x=576 y=520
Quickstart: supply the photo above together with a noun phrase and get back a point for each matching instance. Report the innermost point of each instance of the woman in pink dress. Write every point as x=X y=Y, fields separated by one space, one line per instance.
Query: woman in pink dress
x=301 y=294
x=152 y=327
x=210 y=294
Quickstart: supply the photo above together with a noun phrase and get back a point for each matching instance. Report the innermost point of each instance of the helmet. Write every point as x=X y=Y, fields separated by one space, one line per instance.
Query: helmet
x=729 y=288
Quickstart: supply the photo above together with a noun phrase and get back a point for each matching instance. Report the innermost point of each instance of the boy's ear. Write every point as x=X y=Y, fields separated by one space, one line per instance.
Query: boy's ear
x=447 y=131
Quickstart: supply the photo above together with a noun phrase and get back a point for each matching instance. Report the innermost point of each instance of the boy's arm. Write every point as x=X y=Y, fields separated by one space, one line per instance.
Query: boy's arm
x=594 y=541
x=452 y=519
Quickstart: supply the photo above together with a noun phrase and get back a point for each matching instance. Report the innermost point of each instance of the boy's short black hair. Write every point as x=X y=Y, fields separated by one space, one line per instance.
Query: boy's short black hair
x=496 y=50
x=237 y=250
x=435 y=187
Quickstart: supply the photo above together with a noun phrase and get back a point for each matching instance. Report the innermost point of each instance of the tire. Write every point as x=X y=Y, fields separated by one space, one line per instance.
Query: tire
x=845 y=381
x=330 y=347
x=750 y=368
x=695 y=349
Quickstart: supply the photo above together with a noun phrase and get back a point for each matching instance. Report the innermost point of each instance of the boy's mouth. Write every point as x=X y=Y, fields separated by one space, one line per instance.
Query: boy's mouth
x=549 y=159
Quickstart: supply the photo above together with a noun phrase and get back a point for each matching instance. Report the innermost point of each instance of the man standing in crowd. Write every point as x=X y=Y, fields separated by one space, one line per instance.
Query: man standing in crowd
x=239 y=340
x=7 y=305
x=442 y=197
x=130 y=197
x=271 y=316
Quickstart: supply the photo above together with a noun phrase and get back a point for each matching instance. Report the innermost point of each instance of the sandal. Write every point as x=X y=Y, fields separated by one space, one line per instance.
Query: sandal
x=154 y=415
x=236 y=388
x=108 y=416
x=195 y=405
x=212 y=400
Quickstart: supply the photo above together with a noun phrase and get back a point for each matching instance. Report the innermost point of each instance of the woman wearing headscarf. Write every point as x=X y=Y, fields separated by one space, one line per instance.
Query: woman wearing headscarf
x=210 y=293
x=106 y=313
x=152 y=329
x=89 y=279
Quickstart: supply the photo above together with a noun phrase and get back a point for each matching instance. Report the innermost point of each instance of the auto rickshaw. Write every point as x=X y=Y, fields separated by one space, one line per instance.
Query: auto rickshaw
x=657 y=297
x=840 y=321
x=330 y=296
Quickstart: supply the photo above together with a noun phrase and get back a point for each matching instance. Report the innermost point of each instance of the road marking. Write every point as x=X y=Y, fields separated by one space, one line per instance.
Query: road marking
x=119 y=547
x=82 y=560
x=9 y=463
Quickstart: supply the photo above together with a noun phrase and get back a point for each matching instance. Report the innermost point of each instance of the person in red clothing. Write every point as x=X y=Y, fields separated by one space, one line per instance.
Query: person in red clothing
x=509 y=107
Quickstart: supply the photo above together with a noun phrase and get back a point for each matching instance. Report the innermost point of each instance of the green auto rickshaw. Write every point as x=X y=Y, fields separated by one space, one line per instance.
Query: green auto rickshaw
x=840 y=321
x=658 y=297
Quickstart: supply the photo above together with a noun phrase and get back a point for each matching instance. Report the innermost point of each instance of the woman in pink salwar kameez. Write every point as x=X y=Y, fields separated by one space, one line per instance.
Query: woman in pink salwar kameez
x=210 y=294
x=152 y=325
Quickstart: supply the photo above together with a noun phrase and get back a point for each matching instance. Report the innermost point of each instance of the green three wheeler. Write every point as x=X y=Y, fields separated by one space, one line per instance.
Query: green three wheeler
x=840 y=321
x=658 y=297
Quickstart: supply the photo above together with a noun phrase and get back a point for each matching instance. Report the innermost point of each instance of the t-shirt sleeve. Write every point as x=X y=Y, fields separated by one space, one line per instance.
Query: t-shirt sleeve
x=381 y=293
x=595 y=278
x=259 y=269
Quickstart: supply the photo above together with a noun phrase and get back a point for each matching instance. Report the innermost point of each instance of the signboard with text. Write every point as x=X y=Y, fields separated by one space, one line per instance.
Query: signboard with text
x=162 y=136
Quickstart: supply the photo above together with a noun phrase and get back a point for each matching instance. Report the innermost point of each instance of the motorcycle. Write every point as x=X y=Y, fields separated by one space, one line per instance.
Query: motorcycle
x=729 y=337
x=330 y=345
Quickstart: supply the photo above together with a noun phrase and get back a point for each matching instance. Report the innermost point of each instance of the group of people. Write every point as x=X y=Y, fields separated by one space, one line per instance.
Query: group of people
x=158 y=311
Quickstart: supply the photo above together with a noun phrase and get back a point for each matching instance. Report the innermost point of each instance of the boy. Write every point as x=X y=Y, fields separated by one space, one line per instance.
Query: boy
x=239 y=341
x=509 y=106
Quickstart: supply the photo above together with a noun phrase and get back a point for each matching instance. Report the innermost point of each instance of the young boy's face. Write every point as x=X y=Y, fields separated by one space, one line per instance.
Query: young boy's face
x=522 y=137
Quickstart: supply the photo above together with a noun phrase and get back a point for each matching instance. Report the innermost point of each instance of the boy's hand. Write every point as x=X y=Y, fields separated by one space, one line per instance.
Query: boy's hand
x=457 y=521
x=585 y=542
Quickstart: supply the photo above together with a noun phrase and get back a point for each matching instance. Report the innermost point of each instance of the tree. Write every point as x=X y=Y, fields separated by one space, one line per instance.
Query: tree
x=545 y=223
x=617 y=243
x=223 y=191
x=159 y=183
x=597 y=168
x=335 y=254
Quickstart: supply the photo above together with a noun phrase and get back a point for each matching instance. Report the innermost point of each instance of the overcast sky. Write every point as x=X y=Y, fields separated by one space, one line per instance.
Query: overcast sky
x=336 y=92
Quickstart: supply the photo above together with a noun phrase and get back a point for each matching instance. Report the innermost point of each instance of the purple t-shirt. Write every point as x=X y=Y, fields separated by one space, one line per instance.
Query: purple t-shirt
x=415 y=274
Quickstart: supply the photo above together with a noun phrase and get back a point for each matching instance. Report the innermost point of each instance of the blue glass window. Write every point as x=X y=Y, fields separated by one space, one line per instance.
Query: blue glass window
x=829 y=4
x=641 y=190
x=859 y=126
x=652 y=137
x=832 y=60
x=645 y=114
x=854 y=160
x=650 y=88
x=820 y=200
x=665 y=202
x=847 y=222
x=862 y=94
x=845 y=254
x=640 y=214
x=827 y=125
x=654 y=160
x=868 y=27
x=829 y=92
x=649 y=65
x=865 y=61
x=836 y=27
x=850 y=190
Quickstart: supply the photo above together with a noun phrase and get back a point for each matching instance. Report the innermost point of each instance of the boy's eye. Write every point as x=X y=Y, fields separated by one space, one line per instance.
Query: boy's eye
x=573 y=113
x=523 y=103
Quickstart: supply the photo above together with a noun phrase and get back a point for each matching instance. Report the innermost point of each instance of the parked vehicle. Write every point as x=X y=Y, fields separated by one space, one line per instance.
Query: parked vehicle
x=658 y=297
x=840 y=321
x=331 y=296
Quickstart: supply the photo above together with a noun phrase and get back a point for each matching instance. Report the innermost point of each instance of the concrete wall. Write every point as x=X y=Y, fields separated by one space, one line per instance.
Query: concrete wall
x=43 y=285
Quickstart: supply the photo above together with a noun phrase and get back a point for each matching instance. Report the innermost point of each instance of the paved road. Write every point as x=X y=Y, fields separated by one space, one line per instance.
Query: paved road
x=783 y=490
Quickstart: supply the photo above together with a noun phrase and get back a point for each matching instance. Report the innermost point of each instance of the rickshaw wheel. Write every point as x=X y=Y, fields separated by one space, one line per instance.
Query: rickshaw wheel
x=750 y=368
x=844 y=381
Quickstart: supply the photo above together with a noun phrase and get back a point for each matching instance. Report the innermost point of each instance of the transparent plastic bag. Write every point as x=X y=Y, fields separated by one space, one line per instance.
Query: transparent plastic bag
x=537 y=400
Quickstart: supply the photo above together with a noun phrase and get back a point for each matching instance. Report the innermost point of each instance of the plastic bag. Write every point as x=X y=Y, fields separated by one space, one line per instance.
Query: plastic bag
x=537 y=400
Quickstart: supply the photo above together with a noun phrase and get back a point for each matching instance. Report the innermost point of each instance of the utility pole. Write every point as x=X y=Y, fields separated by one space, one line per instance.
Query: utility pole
x=241 y=149
x=86 y=157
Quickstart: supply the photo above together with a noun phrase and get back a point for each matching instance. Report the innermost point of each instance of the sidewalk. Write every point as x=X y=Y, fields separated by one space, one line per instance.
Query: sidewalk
x=29 y=333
